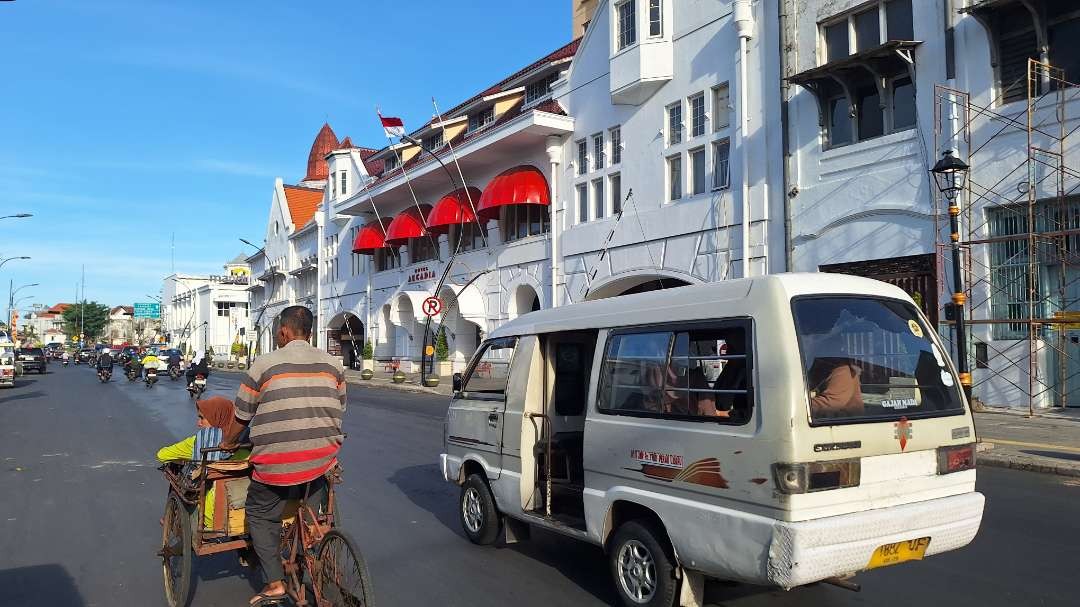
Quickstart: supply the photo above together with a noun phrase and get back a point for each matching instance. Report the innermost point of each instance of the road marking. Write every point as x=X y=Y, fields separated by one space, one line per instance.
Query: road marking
x=1023 y=444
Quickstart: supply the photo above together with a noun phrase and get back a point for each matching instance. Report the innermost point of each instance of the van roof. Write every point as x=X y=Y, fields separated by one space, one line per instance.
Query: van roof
x=691 y=302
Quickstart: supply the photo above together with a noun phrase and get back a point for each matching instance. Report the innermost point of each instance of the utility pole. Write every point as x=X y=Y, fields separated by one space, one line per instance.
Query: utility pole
x=82 y=310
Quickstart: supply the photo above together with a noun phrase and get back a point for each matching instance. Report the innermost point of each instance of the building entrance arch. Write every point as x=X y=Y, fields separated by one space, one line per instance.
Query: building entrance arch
x=637 y=283
x=524 y=300
x=345 y=336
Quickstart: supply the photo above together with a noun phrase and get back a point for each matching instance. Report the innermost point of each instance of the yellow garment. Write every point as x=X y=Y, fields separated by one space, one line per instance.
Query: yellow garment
x=184 y=451
x=150 y=359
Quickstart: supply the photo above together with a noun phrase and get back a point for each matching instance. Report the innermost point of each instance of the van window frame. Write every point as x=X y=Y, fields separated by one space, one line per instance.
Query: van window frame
x=487 y=396
x=927 y=326
x=745 y=322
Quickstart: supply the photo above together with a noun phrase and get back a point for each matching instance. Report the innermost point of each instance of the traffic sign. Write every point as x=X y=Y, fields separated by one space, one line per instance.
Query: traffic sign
x=429 y=350
x=148 y=310
x=432 y=306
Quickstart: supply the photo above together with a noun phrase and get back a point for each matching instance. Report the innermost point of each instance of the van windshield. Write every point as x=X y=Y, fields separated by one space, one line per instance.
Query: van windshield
x=870 y=360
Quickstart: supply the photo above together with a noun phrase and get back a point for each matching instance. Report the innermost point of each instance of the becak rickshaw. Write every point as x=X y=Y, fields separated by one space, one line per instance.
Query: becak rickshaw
x=311 y=541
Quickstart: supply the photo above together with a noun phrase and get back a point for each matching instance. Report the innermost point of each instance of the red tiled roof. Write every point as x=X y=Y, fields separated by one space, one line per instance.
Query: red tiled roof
x=59 y=308
x=325 y=142
x=346 y=143
x=551 y=106
x=302 y=203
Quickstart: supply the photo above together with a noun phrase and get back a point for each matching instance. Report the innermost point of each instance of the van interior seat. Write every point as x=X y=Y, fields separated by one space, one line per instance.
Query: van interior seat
x=567 y=456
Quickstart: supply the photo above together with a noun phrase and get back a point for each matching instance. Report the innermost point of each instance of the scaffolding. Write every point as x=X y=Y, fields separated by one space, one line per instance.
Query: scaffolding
x=1020 y=238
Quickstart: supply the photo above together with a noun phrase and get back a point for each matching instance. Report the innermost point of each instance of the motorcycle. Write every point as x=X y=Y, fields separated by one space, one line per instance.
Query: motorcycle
x=151 y=377
x=65 y=362
x=197 y=387
x=174 y=372
x=104 y=375
x=131 y=373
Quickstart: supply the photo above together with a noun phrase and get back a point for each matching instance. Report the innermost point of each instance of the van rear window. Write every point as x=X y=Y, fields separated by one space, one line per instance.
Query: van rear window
x=869 y=360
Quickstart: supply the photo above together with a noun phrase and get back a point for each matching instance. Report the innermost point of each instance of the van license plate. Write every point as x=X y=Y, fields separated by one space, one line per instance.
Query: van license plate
x=900 y=552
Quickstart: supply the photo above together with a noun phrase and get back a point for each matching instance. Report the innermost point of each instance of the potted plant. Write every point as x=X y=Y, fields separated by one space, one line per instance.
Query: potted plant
x=368 y=356
x=442 y=354
x=399 y=376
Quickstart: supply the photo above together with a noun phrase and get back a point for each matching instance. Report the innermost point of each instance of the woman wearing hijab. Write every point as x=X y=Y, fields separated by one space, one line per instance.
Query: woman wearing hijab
x=199 y=366
x=216 y=414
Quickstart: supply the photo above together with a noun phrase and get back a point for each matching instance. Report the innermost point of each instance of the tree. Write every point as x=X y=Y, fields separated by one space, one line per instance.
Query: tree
x=92 y=316
x=369 y=351
x=442 y=350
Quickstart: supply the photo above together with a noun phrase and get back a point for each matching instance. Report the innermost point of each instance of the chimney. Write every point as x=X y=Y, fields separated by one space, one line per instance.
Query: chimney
x=582 y=13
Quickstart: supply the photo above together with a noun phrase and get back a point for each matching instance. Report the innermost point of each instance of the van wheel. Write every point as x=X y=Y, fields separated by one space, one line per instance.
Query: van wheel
x=642 y=566
x=479 y=517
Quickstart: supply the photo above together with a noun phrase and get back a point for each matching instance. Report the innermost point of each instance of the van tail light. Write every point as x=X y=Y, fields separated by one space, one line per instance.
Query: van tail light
x=816 y=476
x=955 y=459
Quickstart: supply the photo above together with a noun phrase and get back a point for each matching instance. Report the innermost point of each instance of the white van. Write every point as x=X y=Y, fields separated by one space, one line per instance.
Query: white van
x=779 y=430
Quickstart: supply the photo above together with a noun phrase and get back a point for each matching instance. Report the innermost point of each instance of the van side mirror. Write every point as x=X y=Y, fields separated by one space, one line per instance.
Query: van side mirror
x=459 y=382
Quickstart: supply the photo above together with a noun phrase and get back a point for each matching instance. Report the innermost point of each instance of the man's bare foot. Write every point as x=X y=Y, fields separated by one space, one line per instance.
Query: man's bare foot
x=271 y=592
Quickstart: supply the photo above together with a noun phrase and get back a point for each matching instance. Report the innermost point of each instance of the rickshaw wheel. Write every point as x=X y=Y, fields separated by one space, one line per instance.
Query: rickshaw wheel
x=176 y=554
x=341 y=575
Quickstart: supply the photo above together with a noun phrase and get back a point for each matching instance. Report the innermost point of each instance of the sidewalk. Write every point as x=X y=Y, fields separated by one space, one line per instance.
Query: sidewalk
x=411 y=384
x=1048 y=442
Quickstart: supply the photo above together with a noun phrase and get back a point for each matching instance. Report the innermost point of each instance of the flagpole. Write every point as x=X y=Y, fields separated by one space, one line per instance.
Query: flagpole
x=453 y=155
x=408 y=182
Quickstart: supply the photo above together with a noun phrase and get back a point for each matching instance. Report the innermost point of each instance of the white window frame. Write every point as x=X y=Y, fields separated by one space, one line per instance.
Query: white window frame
x=598 y=151
x=622 y=43
x=694 y=117
x=344 y=183
x=693 y=176
x=598 y=202
x=670 y=183
x=616 y=198
x=726 y=183
x=581 y=192
x=658 y=6
x=615 y=137
x=672 y=126
x=719 y=109
x=582 y=157
x=849 y=18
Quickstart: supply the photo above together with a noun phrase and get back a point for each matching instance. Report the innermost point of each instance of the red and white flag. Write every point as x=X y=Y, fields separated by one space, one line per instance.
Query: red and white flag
x=393 y=127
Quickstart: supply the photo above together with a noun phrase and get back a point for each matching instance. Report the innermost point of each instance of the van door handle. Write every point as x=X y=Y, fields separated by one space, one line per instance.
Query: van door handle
x=493 y=417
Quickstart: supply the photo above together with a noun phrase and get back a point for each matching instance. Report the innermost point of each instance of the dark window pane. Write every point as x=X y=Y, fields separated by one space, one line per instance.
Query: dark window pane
x=898 y=20
x=1064 y=52
x=839 y=121
x=871 y=119
x=534 y=219
x=616 y=194
x=836 y=41
x=633 y=374
x=867 y=30
x=903 y=96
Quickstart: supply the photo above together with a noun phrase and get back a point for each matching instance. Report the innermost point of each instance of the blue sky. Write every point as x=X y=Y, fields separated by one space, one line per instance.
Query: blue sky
x=124 y=121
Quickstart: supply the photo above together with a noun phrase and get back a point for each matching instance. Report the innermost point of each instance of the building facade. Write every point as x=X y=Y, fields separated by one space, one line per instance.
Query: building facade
x=204 y=313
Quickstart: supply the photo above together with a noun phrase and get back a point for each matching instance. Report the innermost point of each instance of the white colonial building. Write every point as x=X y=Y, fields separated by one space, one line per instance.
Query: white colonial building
x=207 y=312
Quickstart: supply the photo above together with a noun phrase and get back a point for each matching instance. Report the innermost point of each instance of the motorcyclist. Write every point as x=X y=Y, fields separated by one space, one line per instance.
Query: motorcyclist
x=174 y=359
x=199 y=366
x=150 y=361
x=105 y=361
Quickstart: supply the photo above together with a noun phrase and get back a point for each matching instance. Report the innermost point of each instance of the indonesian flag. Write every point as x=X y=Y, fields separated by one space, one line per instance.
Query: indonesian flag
x=393 y=127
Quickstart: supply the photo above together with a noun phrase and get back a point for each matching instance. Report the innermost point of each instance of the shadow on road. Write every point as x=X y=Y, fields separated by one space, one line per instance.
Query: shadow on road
x=23 y=396
x=438 y=498
x=226 y=565
x=1054 y=454
x=39 y=585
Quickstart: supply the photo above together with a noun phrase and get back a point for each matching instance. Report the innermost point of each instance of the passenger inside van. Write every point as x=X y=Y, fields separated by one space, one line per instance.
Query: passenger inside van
x=836 y=389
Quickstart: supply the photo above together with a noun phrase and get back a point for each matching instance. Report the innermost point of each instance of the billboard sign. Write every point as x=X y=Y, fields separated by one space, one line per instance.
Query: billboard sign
x=148 y=310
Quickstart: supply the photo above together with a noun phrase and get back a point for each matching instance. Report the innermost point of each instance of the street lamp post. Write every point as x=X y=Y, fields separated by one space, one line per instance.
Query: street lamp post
x=18 y=216
x=11 y=296
x=7 y=259
x=258 y=319
x=950 y=174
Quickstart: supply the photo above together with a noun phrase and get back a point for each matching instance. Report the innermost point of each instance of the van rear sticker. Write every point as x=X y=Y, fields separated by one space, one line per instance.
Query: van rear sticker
x=669 y=468
x=903 y=432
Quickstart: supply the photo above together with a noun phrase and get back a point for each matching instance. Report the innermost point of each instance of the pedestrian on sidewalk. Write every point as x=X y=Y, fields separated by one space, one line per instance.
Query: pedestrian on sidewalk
x=292 y=400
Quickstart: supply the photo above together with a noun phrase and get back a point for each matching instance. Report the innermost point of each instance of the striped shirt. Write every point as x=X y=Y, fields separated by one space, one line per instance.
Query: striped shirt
x=294 y=398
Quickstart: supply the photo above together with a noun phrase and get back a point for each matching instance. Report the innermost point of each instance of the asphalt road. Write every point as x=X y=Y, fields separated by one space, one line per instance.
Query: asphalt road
x=80 y=499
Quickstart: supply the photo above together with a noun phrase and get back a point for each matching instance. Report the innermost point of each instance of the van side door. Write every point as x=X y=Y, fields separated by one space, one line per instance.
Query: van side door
x=475 y=421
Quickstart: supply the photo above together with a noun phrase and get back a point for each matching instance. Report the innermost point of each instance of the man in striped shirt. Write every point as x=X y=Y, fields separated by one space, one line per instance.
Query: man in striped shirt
x=292 y=400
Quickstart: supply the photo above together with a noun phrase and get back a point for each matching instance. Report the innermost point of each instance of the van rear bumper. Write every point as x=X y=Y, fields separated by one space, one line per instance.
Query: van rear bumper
x=809 y=551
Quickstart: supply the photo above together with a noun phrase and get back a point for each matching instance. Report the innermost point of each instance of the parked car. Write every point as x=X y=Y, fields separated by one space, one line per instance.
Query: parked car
x=33 y=359
x=86 y=355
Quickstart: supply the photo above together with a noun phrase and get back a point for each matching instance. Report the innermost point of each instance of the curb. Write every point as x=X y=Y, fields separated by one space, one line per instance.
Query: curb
x=398 y=387
x=997 y=461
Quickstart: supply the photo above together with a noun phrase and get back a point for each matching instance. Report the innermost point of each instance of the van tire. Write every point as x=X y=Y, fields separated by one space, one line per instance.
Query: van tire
x=636 y=547
x=480 y=519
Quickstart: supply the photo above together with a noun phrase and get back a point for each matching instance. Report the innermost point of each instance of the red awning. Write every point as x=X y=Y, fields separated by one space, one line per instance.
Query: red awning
x=369 y=239
x=408 y=224
x=520 y=185
x=453 y=209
